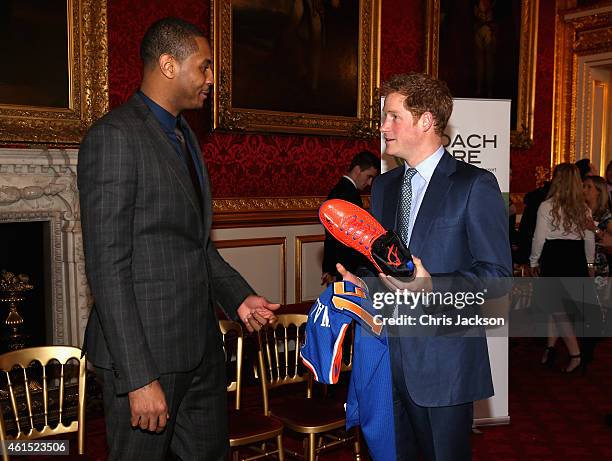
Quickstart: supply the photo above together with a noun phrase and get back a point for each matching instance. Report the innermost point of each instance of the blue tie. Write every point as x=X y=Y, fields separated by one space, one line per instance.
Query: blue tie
x=405 y=204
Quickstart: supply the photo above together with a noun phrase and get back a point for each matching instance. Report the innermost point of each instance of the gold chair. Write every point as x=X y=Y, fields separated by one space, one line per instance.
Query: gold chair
x=246 y=428
x=280 y=365
x=39 y=410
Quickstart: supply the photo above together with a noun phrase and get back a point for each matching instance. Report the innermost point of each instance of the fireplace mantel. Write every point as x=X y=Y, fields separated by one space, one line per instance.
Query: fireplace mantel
x=40 y=185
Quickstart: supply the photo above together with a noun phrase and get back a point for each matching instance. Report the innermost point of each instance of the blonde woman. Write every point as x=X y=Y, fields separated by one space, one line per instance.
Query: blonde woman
x=596 y=197
x=563 y=246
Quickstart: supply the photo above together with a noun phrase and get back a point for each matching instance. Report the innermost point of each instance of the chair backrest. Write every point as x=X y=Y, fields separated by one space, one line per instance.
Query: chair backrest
x=40 y=385
x=232 y=346
x=279 y=354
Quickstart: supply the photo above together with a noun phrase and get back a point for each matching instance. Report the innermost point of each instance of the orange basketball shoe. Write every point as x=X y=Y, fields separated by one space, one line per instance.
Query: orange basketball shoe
x=357 y=229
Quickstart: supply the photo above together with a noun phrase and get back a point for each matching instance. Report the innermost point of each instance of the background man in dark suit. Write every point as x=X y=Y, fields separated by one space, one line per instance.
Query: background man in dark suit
x=364 y=167
x=453 y=217
x=154 y=273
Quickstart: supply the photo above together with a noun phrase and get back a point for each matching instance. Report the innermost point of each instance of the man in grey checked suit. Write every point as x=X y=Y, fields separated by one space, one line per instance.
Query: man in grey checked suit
x=155 y=275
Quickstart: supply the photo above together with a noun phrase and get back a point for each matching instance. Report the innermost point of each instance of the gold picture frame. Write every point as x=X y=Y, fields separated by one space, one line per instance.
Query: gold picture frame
x=86 y=97
x=525 y=70
x=300 y=91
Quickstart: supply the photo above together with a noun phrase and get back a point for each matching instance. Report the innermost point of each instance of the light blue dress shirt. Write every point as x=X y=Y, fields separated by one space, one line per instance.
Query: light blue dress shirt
x=420 y=182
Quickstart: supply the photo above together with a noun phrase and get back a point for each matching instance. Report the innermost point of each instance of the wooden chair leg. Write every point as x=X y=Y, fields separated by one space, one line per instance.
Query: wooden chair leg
x=281 y=451
x=357 y=443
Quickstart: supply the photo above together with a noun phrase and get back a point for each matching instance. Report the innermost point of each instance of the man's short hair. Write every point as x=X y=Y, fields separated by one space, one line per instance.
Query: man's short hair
x=423 y=94
x=364 y=160
x=169 y=36
x=584 y=166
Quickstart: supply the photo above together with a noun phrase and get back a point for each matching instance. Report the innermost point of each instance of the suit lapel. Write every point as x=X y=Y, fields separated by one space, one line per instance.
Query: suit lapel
x=166 y=151
x=392 y=190
x=430 y=206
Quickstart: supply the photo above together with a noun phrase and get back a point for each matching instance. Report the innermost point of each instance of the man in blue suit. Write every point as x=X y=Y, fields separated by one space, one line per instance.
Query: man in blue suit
x=453 y=218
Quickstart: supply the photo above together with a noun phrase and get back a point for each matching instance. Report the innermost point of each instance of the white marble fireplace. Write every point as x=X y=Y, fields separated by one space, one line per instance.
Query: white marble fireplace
x=40 y=185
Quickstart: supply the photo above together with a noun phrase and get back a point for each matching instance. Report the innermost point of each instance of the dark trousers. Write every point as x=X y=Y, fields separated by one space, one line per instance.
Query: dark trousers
x=436 y=433
x=197 y=428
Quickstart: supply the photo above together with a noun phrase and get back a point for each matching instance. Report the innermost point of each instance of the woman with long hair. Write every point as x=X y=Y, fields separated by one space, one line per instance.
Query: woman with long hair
x=596 y=197
x=563 y=246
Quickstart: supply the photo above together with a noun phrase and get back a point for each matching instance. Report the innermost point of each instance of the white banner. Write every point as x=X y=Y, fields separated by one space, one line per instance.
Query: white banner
x=478 y=132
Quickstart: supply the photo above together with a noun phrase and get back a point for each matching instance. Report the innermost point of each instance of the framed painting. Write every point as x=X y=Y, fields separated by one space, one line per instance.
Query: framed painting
x=487 y=49
x=297 y=66
x=59 y=80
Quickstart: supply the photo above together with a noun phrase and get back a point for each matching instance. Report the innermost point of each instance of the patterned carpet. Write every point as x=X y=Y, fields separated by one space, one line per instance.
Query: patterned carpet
x=553 y=416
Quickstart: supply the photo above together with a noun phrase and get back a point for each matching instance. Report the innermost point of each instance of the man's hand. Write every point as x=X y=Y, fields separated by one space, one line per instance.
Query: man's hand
x=148 y=407
x=422 y=279
x=350 y=277
x=256 y=311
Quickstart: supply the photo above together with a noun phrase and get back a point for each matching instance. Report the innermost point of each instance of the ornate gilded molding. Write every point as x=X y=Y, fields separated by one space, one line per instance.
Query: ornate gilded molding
x=246 y=204
x=579 y=33
x=268 y=211
x=40 y=185
x=594 y=41
x=265 y=211
x=432 y=37
x=88 y=72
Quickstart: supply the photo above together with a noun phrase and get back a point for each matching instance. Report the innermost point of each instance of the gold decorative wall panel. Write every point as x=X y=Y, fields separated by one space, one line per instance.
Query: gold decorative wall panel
x=257 y=268
x=579 y=33
x=268 y=211
x=300 y=241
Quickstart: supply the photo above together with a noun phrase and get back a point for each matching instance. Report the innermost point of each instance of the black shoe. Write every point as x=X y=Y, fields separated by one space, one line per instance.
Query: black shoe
x=357 y=229
x=580 y=365
x=392 y=256
x=548 y=358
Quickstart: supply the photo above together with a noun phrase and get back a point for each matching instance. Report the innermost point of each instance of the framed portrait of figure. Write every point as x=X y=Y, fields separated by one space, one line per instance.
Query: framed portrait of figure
x=487 y=49
x=296 y=66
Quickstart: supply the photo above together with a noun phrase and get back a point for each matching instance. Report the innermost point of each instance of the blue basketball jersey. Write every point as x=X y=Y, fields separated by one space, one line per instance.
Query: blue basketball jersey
x=369 y=401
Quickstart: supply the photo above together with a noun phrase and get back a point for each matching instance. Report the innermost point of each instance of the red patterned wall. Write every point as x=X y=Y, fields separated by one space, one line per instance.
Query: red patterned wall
x=257 y=165
x=402 y=37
